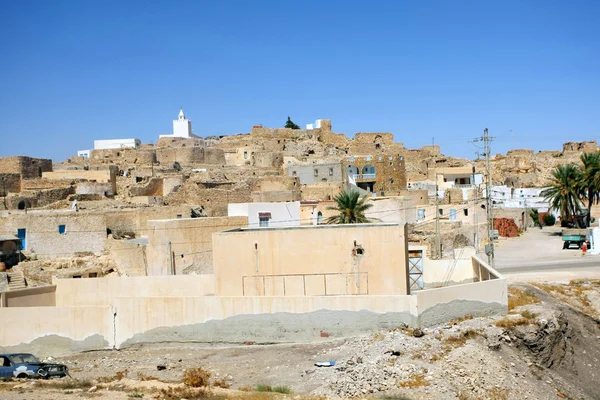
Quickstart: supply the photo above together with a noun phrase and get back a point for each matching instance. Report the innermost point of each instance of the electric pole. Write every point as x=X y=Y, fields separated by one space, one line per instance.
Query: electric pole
x=486 y=139
x=438 y=250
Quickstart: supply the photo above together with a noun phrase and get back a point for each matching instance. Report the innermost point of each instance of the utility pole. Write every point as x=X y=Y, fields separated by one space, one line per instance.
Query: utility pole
x=438 y=250
x=486 y=139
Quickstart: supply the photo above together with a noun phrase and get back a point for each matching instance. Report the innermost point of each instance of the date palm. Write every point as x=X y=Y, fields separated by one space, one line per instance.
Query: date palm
x=564 y=194
x=351 y=209
x=590 y=182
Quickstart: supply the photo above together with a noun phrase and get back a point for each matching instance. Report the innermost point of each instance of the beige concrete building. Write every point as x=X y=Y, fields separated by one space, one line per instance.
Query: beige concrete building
x=184 y=245
x=319 y=260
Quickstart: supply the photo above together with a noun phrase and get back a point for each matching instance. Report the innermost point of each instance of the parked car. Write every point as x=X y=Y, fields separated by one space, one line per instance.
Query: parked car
x=24 y=365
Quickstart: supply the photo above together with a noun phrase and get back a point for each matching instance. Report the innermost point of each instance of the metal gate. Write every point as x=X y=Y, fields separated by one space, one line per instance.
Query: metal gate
x=415 y=270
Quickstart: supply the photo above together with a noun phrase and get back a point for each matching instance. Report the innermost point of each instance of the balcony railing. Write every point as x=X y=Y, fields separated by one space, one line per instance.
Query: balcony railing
x=368 y=176
x=463 y=186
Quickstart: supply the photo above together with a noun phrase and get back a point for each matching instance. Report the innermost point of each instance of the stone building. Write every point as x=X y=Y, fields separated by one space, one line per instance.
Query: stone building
x=316 y=172
x=28 y=167
x=382 y=174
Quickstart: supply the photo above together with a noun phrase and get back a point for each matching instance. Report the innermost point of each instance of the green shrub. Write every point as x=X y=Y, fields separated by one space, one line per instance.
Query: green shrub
x=549 y=220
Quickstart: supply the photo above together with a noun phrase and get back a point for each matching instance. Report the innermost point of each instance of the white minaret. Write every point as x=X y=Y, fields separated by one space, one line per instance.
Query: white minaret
x=181 y=126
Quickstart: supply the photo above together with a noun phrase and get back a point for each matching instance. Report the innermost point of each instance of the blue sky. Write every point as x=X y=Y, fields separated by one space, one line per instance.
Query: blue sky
x=75 y=71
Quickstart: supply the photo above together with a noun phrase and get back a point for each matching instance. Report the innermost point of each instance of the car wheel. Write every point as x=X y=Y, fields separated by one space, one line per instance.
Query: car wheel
x=22 y=376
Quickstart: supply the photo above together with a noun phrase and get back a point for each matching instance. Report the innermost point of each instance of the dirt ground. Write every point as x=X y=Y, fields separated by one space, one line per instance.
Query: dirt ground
x=545 y=348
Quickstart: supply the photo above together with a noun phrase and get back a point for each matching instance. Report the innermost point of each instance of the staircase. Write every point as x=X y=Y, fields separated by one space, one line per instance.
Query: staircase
x=16 y=281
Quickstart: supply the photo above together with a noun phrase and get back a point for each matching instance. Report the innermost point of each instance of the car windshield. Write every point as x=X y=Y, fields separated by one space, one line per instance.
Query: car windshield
x=24 y=358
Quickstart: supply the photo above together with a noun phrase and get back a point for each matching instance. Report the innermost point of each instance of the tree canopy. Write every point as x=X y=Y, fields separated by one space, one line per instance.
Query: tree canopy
x=351 y=208
x=290 y=124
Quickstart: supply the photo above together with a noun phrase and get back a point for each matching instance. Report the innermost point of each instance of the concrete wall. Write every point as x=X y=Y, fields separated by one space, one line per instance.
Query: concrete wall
x=312 y=251
x=31 y=297
x=53 y=331
x=281 y=214
x=100 y=292
x=119 y=312
x=191 y=242
x=84 y=232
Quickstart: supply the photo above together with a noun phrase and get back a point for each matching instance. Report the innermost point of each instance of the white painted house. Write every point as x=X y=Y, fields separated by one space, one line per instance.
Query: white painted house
x=117 y=144
x=278 y=214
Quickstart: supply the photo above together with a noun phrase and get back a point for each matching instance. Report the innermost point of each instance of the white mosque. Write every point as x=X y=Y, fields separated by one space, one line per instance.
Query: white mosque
x=182 y=127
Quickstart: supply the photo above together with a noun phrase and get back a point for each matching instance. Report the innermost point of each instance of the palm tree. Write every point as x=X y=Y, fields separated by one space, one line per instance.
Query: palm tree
x=590 y=181
x=350 y=207
x=564 y=194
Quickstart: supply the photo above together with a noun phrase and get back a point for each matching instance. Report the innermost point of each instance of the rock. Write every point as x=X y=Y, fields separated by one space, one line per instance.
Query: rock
x=161 y=367
x=92 y=389
x=418 y=333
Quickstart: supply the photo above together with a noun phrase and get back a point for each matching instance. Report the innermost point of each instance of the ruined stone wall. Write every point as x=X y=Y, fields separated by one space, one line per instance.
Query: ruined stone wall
x=190 y=155
x=374 y=137
x=136 y=220
x=123 y=156
x=10 y=183
x=267 y=159
x=180 y=142
x=276 y=196
x=28 y=167
x=320 y=191
x=274 y=183
x=585 y=147
x=154 y=187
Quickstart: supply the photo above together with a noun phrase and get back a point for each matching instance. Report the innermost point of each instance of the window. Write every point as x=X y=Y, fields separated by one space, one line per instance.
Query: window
x=368 y=158
x=441 y=211
x=466 y=212
x=351 y=158
x=330 y=171
x=294 y=173
x=263 y=219
x=245 y=155
x=316 y=172
x=377 y=146
x=62 y=229
x=391 y=163
x=380 y=158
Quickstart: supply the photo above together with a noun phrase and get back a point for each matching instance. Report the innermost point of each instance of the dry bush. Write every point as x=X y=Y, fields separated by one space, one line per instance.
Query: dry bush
x=528 y=314
x=497 y=393
x=196 y=377
x=377 y=337
x=116 y=377
x=518 y=297
x=461 y=339
x=415 y=381
x=188 y=393
x=509 y=323
x=65 y=384
x=275 y=389
x=144 y=377
x=417 y=356
x=222 y=383
x=461 y=319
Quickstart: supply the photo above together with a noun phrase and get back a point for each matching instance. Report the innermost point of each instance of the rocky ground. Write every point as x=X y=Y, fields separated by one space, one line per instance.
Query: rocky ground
x=545 y=348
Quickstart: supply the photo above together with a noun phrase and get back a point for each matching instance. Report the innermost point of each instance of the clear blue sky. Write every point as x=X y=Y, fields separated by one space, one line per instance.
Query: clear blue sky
x=75 y=71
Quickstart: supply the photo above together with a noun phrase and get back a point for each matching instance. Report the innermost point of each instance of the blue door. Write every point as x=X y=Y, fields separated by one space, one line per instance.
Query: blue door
x=22 y=234
x=6 y=369
x=452 y=214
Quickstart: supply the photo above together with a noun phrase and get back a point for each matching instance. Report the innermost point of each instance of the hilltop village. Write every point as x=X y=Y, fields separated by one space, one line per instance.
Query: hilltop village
x=97 y=213
x=233 y=241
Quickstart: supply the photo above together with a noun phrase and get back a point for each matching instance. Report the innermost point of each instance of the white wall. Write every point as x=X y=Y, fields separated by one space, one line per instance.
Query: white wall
x=116 y=144
x=282 y=214
x=182 y=128
x=83 y=153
